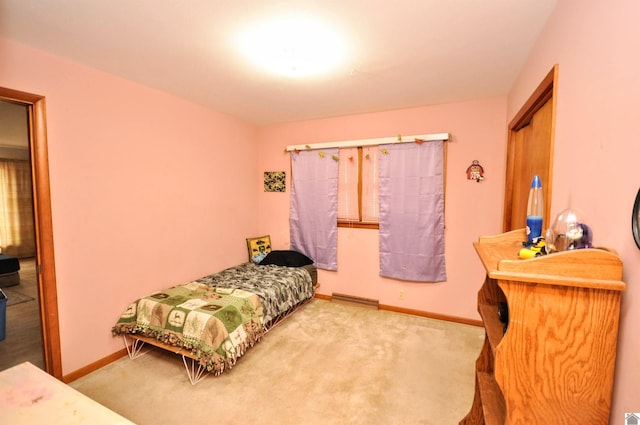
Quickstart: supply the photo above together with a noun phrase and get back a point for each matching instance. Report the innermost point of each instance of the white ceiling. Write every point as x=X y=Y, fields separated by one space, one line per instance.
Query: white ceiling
x=404 y=53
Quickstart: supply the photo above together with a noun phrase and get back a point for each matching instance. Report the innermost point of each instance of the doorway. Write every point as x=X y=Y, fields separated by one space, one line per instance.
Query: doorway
x=530 y=152
x=44 y=259
x=23 y=331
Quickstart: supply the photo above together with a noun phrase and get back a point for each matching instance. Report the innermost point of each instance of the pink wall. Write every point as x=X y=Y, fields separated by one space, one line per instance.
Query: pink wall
x=142 y=179
x=596 y=154
x=147 y=191
x=472 y=209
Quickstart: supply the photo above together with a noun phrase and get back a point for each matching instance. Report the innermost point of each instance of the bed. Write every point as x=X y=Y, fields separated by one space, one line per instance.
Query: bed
x=9 y=270
x=212 y=321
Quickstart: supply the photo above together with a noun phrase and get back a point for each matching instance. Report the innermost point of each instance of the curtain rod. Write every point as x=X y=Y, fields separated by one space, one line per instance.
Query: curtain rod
x=371 y=142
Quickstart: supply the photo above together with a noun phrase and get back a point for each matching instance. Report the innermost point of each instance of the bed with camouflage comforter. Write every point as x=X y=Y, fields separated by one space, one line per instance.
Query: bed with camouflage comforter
x=218 y=317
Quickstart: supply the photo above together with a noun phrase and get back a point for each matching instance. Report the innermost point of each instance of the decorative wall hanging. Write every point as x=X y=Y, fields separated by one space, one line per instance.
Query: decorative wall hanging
x=275 y=181
x=475 y=171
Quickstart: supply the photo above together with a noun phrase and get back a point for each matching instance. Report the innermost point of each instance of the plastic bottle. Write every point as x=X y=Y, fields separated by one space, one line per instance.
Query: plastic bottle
x=535 y=210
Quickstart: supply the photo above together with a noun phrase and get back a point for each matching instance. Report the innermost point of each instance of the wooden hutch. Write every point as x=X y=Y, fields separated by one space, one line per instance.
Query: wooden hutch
x=554 y=363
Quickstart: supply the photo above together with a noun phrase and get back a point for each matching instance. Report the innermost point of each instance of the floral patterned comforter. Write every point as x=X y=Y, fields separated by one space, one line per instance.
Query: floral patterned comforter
x=218 y=317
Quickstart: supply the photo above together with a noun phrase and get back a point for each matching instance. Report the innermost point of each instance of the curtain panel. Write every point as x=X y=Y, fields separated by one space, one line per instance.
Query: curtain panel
x=17 y=231
x=313 y=216
x=412 y=211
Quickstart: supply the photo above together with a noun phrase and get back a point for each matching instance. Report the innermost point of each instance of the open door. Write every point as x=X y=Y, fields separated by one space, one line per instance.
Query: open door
x=530 y=152
x=45 y=259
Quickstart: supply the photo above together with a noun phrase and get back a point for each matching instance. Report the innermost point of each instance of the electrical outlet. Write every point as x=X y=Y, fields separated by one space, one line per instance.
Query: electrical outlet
x=401 y=294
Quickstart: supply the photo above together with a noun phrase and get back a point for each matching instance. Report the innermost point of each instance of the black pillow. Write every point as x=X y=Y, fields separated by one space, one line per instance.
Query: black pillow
x=286 y=258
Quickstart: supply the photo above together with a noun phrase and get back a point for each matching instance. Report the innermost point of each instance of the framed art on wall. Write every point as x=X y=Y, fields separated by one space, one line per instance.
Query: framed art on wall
x=275 y=181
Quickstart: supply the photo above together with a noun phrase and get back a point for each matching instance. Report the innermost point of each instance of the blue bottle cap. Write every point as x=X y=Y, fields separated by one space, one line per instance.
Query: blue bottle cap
x=535 y=183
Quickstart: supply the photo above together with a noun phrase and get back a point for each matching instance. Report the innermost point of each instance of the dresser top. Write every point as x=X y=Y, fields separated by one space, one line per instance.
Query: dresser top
x=597 y=268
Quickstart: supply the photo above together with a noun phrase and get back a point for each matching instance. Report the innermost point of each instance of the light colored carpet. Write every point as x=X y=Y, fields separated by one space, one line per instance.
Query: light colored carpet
x=327 y=364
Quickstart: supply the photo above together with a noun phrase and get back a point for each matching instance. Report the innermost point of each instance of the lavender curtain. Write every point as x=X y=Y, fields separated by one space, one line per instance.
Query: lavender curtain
x=313 y=217
x=412 y=211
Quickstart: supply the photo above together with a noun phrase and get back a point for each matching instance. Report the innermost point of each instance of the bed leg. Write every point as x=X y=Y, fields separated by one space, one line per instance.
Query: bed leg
x=195 y=374
x=135 y=349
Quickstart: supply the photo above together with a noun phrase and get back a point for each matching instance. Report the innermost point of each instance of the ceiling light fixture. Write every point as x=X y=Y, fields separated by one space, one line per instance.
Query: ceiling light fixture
x=294 y=46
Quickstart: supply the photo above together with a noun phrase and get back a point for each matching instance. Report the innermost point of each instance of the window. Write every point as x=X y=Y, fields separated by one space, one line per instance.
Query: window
x=358 y=187
x=381 y=186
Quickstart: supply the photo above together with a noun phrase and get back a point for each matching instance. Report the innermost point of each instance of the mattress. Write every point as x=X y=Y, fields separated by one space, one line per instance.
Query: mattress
x=313 y=272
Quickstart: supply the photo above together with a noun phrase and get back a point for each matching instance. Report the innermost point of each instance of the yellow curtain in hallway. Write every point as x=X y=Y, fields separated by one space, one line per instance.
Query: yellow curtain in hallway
x=17 y=234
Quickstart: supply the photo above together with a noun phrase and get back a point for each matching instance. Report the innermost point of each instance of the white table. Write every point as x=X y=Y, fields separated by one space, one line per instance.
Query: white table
x=28 y=395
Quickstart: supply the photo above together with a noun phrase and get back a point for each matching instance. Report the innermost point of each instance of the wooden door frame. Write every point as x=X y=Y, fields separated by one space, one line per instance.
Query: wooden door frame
x=546 y=90
x=45 y=259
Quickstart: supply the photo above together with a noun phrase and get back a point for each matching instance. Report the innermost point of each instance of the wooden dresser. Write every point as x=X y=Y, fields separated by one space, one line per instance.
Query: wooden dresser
x=555 y=362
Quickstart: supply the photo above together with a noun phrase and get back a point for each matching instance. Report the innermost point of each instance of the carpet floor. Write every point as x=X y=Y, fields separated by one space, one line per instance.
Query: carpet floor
x=327 y=364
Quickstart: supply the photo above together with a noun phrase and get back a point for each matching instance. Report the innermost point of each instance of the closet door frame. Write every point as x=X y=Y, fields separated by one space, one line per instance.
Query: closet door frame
x=517 y=182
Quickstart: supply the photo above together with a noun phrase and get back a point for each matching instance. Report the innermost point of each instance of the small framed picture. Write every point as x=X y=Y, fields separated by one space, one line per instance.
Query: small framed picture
x=275 y=181
x=258 y=247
